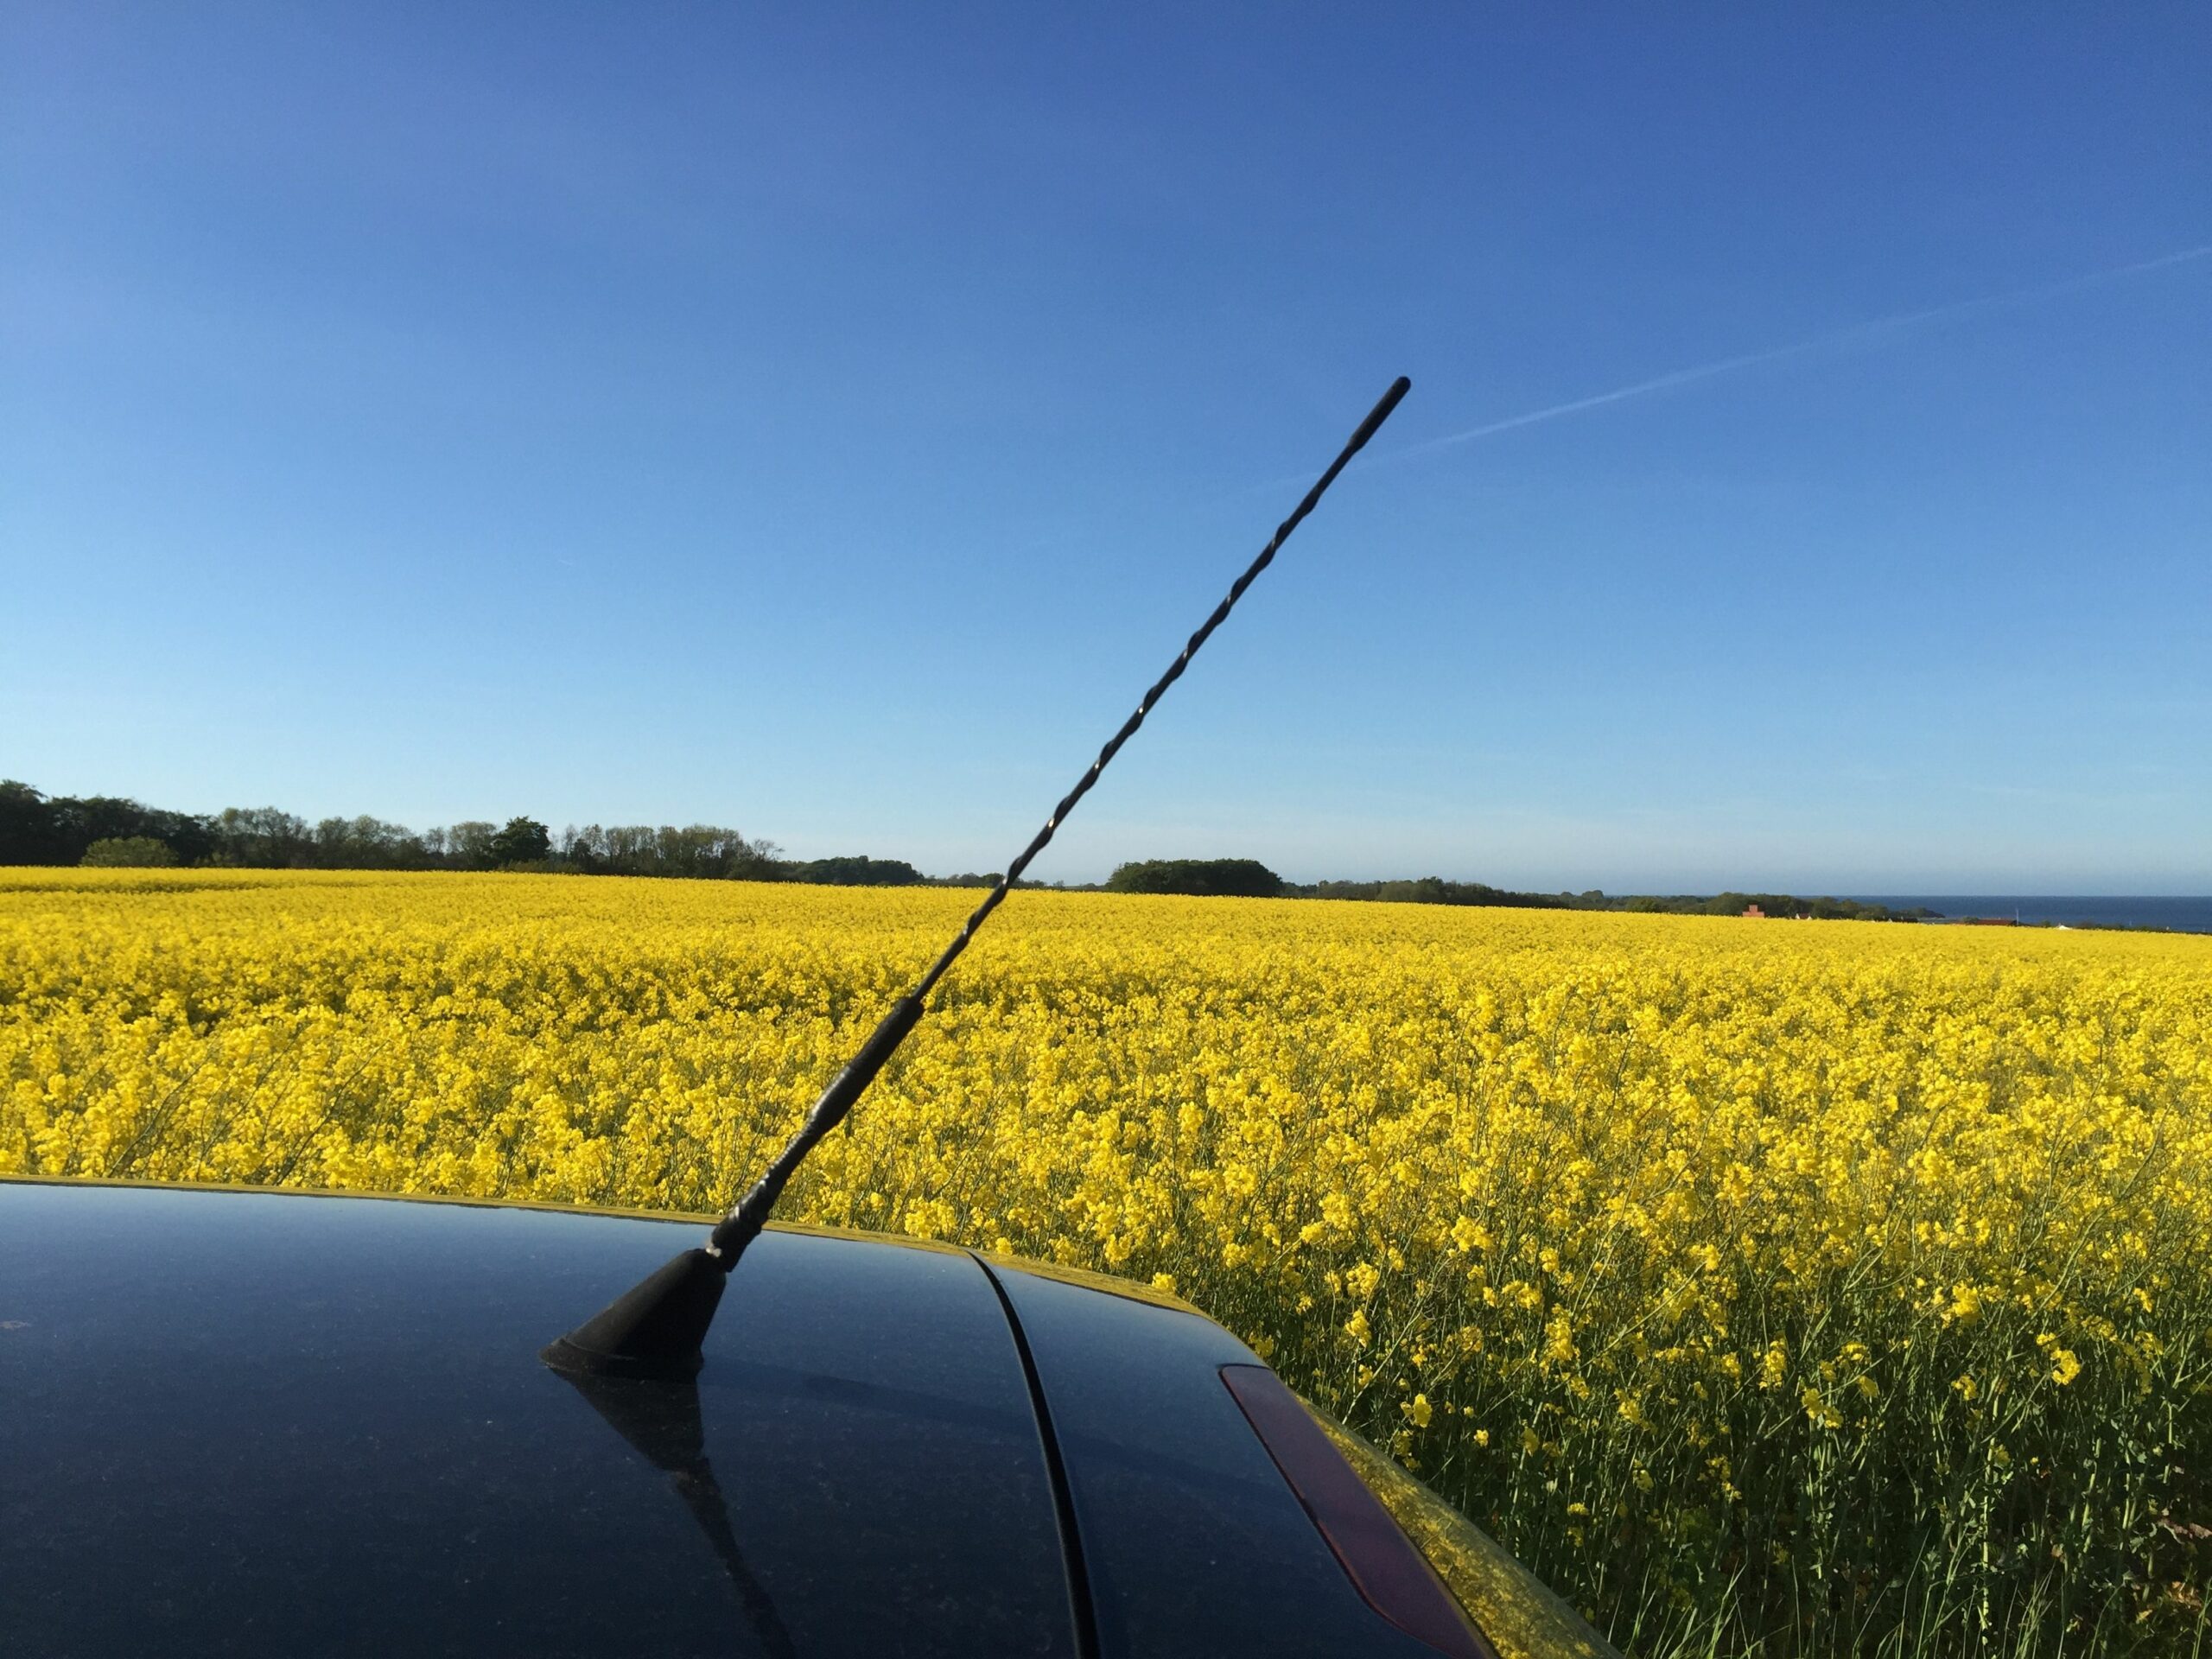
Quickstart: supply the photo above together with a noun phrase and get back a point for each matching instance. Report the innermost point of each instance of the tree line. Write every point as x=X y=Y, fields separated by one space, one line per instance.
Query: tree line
x=108 y=829
x=1249 y=878
x=39 y=828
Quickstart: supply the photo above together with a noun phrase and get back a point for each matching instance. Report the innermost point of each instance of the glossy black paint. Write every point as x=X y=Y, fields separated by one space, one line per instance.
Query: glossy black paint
x=269 y=1423
x=258 y=1422
x=1194 y=1542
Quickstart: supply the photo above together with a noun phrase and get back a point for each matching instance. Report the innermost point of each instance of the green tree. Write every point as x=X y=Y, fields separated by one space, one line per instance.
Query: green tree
x=366 y=843
x=856 y=870
x=467 y=845
x=1206 y=877
x=263 y=837
x=524 y=841
x=28 y=832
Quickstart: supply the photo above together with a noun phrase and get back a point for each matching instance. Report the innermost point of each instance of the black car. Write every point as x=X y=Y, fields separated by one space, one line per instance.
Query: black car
x=237 y=1421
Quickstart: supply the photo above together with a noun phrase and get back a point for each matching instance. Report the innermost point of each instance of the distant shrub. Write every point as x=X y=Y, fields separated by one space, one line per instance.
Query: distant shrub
x=128 y=853
x=855 y=871
x=1434 y=890
x=1241 y=878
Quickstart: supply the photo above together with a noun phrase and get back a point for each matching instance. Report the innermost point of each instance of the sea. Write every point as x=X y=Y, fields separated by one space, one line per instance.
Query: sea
x=2181 y=915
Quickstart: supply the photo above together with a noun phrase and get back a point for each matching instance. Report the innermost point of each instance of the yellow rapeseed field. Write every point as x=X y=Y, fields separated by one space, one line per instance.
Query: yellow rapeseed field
x=1796 y=1289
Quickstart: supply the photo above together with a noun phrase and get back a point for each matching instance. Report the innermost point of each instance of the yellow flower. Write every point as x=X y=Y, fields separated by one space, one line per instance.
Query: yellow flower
x=1818 y=1410
x=1775 y=1366
x=1544 y=1161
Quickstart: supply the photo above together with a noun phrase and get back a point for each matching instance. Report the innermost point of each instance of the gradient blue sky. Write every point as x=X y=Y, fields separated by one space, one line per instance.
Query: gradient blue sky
x=826 y=421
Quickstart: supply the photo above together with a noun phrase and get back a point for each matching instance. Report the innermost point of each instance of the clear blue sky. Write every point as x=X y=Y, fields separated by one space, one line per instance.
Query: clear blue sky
x=827 y=421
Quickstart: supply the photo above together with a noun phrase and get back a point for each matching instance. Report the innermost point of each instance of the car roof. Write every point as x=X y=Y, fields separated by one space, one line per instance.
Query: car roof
x=261 y=1423
x=244 y=1421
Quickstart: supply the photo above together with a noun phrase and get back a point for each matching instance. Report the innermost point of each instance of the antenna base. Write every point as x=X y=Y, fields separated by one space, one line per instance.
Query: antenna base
x=655 y=1329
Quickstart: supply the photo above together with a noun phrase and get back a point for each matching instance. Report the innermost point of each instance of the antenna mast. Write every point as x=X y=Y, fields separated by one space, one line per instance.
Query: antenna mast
x=656 y=1329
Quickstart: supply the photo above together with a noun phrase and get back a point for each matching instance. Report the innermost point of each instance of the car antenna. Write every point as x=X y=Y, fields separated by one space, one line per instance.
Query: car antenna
x=656 y=1328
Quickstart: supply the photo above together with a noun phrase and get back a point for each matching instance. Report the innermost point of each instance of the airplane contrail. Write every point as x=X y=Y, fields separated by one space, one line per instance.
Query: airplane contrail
x=1871 y=330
